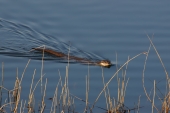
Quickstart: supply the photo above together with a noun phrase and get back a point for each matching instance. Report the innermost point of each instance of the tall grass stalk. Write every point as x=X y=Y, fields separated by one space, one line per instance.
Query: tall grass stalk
x=166 y=73
x=55 y=97
x=107 y=96
x=138 y=104
x=43 y=99
x=87 y=90
x=2 y=82
x=113 y=77
x=143 y=75
x=153 y=101
x=31 y=102
x=42 y=67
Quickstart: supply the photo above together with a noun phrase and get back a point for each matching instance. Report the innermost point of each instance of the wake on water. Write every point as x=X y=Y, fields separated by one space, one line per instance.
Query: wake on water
x=18 y=40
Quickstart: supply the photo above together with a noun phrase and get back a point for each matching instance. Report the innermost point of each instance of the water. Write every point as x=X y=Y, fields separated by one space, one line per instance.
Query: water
x=18 y=34
x=100 y=27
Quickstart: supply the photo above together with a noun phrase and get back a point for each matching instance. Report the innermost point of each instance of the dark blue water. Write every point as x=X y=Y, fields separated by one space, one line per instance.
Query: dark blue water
x=100 y=27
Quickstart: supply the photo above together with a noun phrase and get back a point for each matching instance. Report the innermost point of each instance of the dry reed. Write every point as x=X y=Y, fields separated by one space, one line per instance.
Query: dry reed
x=63 y=102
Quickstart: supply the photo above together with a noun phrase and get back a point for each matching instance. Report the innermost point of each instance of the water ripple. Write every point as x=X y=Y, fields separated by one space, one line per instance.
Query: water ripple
x=18 y=40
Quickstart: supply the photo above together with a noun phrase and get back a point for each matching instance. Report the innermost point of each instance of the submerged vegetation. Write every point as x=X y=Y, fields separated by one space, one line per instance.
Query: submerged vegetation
x=63 y=102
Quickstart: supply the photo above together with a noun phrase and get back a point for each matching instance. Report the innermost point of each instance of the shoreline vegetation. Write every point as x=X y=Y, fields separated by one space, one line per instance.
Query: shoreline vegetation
x=63 y=102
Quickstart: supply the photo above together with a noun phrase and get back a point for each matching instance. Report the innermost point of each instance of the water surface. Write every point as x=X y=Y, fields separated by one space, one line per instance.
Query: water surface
x=103 y=28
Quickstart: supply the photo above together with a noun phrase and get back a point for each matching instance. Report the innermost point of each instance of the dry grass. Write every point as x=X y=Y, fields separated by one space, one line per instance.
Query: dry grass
x=63 y=102
x=166 y=101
